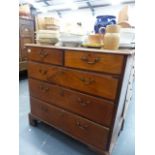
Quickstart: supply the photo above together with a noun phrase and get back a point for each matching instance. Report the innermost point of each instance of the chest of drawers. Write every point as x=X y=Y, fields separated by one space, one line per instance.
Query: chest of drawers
x=80 y=92
x=26 y=35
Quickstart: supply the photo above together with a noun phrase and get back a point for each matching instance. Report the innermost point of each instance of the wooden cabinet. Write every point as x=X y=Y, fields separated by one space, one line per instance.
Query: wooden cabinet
x=81 y=93
x=26 y=35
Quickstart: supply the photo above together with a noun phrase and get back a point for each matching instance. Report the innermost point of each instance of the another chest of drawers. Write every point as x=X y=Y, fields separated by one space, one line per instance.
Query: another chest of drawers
x=26 y=35
x=79 y=92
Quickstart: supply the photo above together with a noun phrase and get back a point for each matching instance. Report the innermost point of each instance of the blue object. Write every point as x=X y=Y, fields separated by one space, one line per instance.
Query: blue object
x=102 y=22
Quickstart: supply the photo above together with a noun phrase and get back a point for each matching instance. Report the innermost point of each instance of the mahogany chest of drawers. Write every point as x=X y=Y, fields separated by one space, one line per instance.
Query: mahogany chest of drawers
x=81 y=92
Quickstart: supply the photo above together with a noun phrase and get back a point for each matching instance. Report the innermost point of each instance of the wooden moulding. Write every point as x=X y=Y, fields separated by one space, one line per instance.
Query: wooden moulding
x=120 y=51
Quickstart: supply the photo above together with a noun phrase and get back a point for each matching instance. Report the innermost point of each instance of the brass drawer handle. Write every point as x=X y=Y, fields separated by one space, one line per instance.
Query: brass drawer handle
x=44 y=89
x=86 y=59
x=83 y=103
x=43 y=72
x=44 y=109
x=87 y=81
x=83 y=127
x=43 y=54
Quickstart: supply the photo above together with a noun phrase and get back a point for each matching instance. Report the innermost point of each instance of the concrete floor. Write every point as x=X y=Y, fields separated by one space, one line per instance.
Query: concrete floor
x=45 y=140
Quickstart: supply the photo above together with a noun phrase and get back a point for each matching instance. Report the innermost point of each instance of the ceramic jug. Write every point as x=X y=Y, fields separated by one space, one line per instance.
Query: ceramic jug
x=112 y=37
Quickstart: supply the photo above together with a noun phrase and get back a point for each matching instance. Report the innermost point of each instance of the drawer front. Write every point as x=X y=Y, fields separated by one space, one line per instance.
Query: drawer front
x=96 y=84
x=52 y=56
x=23 y=41
x=26 y=28
x=108 y=63
x=95 y=109
x=76 y=126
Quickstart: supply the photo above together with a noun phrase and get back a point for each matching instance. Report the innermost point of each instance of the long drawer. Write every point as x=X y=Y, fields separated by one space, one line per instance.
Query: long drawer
x=96 y=84
x=52 y=56
x=76 y=126
x=109 y=63
x=95 y=109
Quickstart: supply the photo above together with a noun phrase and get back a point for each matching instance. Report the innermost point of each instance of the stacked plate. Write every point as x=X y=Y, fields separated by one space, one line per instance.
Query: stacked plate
x=71 y=34
x=69 y=39
x=51 y=23
x=52 y=27
x=47 y=36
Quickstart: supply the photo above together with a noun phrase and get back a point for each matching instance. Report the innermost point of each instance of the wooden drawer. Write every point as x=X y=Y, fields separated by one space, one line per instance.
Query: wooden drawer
x=26 y=28
x=52 y=56
x=96 y=84
x=108 y=63
x=95 y=109
x=76 y=126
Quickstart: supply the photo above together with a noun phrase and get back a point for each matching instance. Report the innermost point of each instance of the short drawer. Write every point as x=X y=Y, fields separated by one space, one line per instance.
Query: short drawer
x=51 y=56
x=93 y=108
x=76 y=126
x=26 y=28
x=95 y=84
x=109 y=63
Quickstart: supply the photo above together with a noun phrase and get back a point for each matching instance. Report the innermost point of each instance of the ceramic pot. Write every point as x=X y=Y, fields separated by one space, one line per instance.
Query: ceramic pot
x=94 y=39
x=102 y=22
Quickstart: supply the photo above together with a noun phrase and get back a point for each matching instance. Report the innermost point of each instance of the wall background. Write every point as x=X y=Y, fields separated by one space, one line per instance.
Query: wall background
x=87 y=19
